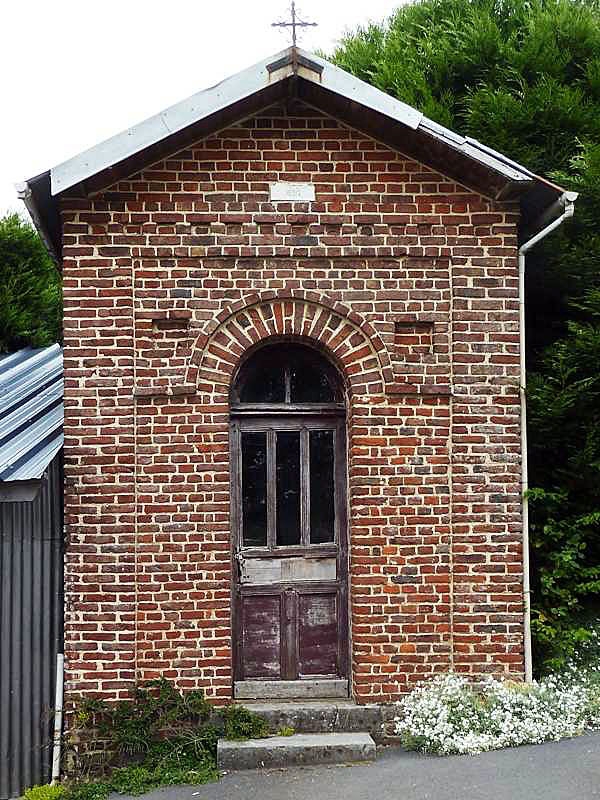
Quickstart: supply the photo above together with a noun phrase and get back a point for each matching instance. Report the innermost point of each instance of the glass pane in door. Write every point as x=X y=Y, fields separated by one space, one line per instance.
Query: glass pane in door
x=322 y=503
x=254 y=489
x=288 y=487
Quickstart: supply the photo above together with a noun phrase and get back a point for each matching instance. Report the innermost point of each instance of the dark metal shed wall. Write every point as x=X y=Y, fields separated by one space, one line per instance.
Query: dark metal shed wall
x=31 y=631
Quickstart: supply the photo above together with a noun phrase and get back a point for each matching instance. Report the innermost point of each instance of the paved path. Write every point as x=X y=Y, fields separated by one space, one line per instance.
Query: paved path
x=553 y=771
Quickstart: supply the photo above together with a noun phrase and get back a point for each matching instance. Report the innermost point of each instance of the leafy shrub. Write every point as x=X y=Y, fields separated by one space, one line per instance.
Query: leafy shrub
x=209 y=735
x=45 y=792
x=448 y=715
x=179 y=761
x=156 y=707
x=89 y=790
x=587 y=654
x=160 y=737
x=241 y=723
x=172 y=762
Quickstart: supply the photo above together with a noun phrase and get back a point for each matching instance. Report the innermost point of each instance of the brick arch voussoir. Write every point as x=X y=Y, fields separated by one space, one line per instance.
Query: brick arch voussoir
x=351 y=340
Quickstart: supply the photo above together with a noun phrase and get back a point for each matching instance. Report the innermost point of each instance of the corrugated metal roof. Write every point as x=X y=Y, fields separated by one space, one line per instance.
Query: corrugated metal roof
x=31 y=411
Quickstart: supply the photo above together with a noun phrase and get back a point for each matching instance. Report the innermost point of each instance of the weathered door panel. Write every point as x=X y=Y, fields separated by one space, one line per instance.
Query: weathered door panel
x=318 y=634
x=290 y=553
x=261 y=618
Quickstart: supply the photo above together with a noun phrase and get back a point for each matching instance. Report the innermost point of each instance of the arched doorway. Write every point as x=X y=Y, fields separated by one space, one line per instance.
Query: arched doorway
x=289 y=521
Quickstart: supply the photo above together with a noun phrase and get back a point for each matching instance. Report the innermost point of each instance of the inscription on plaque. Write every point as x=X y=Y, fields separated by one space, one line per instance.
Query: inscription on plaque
x=292 y=192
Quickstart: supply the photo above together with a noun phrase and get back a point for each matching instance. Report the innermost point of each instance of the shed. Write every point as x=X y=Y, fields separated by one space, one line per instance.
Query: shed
x=31 y=531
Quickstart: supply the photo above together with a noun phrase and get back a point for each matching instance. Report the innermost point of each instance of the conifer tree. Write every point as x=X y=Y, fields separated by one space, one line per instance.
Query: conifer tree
x=30 y=288
x=523 y=76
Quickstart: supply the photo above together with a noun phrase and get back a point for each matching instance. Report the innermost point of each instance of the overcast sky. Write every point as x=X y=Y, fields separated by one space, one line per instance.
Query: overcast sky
x=74 y=72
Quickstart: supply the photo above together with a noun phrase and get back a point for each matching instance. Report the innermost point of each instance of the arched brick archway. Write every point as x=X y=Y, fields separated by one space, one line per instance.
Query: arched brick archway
x=348 y=340
x=351 y=341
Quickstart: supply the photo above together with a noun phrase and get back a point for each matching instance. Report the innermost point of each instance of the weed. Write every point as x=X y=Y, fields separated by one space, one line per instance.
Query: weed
x=45 y=792
x=286 y=730
x=159 y=737
x=241 y=723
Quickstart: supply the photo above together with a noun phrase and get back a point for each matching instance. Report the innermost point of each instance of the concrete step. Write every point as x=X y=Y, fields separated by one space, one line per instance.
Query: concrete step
x=325 y=716
x=291 y=690
x=300 y=749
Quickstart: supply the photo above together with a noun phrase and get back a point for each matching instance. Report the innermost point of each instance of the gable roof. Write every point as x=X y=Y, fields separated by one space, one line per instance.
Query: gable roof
x=31 y=413
x=290 y=73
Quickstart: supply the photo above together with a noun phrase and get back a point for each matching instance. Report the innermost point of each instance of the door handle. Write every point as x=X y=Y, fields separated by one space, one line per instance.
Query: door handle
x=239 y=558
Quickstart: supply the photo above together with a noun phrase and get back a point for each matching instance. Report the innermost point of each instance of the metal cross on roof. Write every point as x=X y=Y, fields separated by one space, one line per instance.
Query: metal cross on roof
x=295 y=23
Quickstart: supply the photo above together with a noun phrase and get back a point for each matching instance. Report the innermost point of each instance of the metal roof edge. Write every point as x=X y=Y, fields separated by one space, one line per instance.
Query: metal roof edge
x=344 y=83
x=39 y=193
x=37 y=464
x=472 y=148
x=208 y=101
x=500 y=156
x=161 y=125
x=24 y=191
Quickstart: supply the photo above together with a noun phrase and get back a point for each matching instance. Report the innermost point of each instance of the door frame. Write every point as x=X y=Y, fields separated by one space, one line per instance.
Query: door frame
x=265 y=418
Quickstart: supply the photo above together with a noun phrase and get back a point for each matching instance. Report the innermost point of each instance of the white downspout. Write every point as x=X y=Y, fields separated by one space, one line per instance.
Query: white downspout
x=58 y=717
x=567 y=201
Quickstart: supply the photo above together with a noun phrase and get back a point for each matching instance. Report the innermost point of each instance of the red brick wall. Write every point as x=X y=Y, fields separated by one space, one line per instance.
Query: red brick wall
x=410 y=283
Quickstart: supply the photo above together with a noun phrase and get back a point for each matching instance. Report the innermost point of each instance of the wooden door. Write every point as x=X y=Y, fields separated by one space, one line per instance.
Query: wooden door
x=290 y=549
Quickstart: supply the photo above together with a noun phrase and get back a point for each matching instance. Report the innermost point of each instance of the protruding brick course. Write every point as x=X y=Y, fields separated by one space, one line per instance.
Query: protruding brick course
x=409 y=282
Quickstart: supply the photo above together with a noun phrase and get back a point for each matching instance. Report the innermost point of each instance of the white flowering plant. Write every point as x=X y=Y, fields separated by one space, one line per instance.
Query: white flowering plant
x=448 y=715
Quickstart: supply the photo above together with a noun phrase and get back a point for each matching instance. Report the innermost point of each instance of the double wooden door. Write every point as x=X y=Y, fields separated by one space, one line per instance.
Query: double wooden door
x=290 y=550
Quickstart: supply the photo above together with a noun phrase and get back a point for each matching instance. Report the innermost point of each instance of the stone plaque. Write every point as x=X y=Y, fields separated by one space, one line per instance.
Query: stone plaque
x=292 y=192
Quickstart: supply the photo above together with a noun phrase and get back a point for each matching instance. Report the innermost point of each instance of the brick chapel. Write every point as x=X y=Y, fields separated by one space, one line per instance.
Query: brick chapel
x=292 y=368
